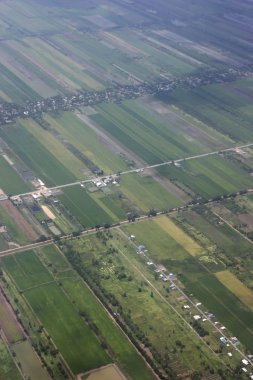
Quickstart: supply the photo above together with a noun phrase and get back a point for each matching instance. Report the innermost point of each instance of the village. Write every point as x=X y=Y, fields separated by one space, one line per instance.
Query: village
x=9 y=112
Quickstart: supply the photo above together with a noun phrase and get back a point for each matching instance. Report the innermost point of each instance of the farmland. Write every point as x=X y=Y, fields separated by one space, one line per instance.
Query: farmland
x=126 y=177
x=11 y=183
x=132 y=290
x=195 y=277
x=50 y=303
x=8 y=369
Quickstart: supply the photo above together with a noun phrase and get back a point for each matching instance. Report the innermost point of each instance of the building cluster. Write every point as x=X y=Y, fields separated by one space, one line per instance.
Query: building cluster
x=9 y=112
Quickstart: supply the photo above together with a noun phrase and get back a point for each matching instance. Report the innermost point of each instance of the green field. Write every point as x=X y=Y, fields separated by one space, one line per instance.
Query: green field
x=227 y=308
x=10 y=182
x=71 y=334
x=143 y=191
x=27 y=270
x=56 y=148
x=222 y=235
x=86 y=210
x=151 y=139
x=87 y=142
x=136 y=301
x=8 y=369
x=209 y=176
x=219 y=107
x=14 y=230
x=51 y=305
x=36 y=156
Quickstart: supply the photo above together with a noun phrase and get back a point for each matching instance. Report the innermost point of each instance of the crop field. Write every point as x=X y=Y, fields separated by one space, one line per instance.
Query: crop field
x=219 y=299
x=52 y=305
x=224 y=304
x=8 y=369
x=167 y=249
x=85 y=209
x=56 y=148
x=179 y=236
x=10 y=181
x=16 y=226
x=122 y=56
x=31 y=365
x=134 y=296
x=236 y=287
x=96 y=92
x=13 y=88
x=36 y=156
x=126 y=356
x=87 y=142
x=202 y=135
x=232 y=119
x=143 y=190
x=209 y=176
x=27 y=270
x=152 y=140
x=64 y=73
x=8 y=323
x=108 y=373
x=221 y=235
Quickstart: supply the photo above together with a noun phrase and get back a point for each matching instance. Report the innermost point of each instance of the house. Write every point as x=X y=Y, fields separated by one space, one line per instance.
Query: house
x=196 y=317
x=230 y=354
x=186 y=307
x=223 y=340
x=245 y=362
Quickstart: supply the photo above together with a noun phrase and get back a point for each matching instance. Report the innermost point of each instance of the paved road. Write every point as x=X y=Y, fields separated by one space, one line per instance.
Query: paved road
x=142 y=168
x=121 y=223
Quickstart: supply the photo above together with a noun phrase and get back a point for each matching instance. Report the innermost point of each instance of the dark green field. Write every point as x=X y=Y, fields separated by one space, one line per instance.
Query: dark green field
x=83 y=207
x=71 y=334
x=10 y=181
x=36 y=157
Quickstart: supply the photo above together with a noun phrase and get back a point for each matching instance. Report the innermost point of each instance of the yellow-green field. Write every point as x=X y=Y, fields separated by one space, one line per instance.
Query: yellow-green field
x=179 y=235
x=236 y=287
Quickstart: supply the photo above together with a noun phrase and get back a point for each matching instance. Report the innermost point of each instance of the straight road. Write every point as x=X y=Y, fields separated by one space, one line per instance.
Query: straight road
x=83 y=182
